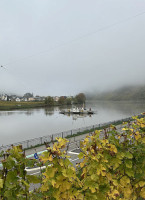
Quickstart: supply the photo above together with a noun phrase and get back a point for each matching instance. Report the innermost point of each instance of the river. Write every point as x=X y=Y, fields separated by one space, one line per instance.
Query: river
x=20 y=125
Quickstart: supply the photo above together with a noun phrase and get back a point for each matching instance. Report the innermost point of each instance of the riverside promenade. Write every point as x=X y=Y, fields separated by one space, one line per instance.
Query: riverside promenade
x=72 y=135
x=72 y=145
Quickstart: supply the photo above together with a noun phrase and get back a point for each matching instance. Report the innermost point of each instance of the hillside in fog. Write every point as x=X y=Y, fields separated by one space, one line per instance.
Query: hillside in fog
x=124 y=93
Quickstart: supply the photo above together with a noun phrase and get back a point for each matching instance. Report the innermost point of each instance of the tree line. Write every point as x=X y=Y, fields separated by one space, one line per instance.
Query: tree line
x=63 y=100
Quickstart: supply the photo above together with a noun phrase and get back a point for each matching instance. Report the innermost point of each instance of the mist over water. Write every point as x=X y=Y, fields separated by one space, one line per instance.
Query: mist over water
x=51 y=48
x=17 y=126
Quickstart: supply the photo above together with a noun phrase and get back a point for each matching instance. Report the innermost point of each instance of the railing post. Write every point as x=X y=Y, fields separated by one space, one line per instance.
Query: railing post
x=27 y=143
x=41 y=140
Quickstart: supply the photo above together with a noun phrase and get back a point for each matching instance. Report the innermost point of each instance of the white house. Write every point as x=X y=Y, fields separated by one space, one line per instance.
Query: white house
x=56 y=98
x=4 y=97
x=18 y=99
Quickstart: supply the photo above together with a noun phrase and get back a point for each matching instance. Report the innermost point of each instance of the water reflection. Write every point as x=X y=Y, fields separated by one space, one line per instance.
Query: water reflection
x=122 y=107
x=19 y=125
x=49 y=111
x=77 y=116
x=18 y=112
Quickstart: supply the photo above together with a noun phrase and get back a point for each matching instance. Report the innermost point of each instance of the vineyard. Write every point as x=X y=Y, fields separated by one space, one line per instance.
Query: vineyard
x=110 y=168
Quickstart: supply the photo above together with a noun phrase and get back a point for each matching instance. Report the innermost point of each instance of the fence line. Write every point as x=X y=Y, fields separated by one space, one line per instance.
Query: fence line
x=50 y=138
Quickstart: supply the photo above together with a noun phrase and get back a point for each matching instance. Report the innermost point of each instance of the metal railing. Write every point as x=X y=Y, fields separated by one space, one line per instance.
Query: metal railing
x=50 y=138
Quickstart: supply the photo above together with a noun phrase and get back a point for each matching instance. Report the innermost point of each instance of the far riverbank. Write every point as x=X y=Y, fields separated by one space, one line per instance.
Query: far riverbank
x=13 y=105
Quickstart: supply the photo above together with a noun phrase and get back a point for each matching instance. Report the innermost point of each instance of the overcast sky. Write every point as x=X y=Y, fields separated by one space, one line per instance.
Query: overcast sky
x=53 y=47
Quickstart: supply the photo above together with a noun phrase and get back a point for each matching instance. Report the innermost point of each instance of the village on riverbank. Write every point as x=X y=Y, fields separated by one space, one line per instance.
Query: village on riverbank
x=28 y=100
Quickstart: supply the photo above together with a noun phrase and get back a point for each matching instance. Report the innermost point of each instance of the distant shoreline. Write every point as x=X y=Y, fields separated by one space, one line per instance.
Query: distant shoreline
x=13 y=105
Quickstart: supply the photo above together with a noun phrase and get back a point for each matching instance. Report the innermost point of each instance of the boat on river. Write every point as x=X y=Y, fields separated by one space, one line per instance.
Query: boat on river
x=77 y=111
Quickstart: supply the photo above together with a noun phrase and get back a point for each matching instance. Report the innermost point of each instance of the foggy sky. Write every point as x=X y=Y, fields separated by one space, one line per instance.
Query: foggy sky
x=53 y=47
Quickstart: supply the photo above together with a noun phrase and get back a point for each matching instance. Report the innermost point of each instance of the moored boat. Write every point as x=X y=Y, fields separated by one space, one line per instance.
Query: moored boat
x=80 y=111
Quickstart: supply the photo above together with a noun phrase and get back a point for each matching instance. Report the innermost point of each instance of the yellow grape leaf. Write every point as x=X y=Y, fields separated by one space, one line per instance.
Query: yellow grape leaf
x=98 y=171
x=93 y=176
x=66 y=185
x=124 y=180
x=55 y=148
x=105 y=141
x=99 y=146
x=109 y=176
x=44 y=188
x=93 y=190
x=137 y=136
x=143 y=140
x=141 y=183
x=82 y=164
x=97 y=132
x=50 y=158
x=115 y=182
x=142 y=193
x=125 y=129
x=53 y=182
x=103 y=173
x=86 y=140
x=113 y=148
x=134 y=117
x=127 y=192
x=115 y=193
x=84 y=171
x=61 y=162
x=50 y=172
x=142 y=125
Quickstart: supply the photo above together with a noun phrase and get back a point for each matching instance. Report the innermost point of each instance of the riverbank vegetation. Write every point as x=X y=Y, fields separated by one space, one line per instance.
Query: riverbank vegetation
x=12 y=105
x=111 y=167
x=49 y=101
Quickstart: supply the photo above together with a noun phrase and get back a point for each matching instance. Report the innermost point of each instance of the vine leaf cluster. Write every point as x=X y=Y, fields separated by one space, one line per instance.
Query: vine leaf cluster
x=112 y=167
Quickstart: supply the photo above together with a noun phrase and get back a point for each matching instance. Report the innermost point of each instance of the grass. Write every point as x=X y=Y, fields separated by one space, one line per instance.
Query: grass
x=12 y=105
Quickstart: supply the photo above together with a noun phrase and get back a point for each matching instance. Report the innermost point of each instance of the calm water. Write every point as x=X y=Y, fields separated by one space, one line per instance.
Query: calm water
x=16 y=126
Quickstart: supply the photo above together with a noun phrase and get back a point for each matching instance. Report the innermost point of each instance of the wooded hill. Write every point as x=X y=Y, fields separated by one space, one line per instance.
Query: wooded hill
x=125 y=93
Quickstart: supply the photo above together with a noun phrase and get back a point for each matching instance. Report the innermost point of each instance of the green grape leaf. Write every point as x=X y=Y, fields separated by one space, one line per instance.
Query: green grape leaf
x=33 y=179
x=128 y=155
x=1 y=183
x=81 y=155
x=129 y=172
x=128 y=163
